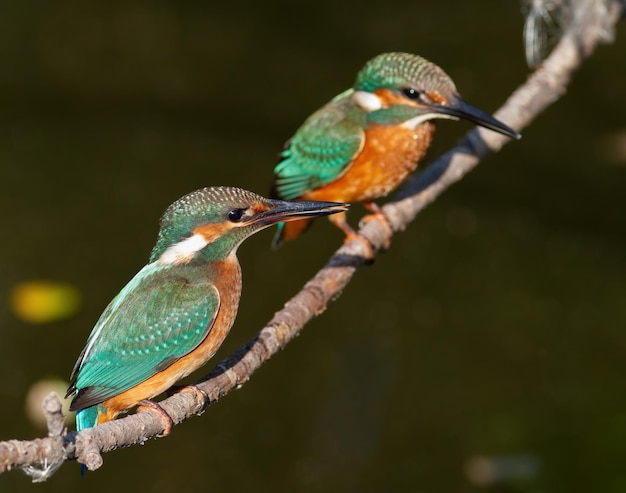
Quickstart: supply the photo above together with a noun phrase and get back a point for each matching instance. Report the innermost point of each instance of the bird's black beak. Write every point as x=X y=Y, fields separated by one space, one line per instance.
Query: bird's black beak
x=460 y=109
x=280 y=210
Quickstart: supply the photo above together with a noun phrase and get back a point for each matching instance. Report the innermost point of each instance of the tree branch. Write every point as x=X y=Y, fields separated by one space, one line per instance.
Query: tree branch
x=41 y=457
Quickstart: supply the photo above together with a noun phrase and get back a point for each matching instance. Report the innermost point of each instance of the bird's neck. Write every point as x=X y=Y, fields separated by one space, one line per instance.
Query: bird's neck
x=394 y=115
x=224 y=271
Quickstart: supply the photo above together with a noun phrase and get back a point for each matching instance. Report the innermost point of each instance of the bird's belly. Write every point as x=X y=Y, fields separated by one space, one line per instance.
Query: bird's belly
x=389 y=155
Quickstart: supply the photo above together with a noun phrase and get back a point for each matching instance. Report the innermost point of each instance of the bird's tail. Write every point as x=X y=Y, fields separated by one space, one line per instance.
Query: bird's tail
x=290 y=231
x=86 y=418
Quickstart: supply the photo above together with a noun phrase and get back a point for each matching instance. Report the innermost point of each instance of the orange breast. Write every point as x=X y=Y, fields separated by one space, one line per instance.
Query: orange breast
x=228 y=283
x=389 y=155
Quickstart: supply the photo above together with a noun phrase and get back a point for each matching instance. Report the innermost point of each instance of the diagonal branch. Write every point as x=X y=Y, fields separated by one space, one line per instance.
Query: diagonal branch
x=41 y=457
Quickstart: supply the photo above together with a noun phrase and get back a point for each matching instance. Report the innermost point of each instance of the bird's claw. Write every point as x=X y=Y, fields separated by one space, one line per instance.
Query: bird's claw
x=378 y=214
x=153 y=407
x=369 y=249
x=200 y=395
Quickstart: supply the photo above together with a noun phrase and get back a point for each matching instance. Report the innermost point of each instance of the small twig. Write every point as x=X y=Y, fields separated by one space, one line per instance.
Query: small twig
x=54 y=417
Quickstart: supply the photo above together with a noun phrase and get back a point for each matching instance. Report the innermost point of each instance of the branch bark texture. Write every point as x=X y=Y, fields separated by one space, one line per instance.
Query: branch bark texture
x=41 y=457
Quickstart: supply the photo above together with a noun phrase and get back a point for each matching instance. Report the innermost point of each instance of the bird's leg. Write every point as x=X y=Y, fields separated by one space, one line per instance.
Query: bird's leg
x=153 y=407
x=340 y=221
x=377 y=213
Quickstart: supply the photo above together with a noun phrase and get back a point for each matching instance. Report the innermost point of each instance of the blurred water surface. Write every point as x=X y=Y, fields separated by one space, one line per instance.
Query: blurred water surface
x=485 y=351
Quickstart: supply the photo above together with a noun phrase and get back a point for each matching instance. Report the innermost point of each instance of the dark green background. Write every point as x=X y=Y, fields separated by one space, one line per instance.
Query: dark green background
x=494 y=327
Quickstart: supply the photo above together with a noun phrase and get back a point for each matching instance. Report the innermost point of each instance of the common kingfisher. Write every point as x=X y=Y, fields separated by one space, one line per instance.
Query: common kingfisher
x=367 y=140
x=171 y=318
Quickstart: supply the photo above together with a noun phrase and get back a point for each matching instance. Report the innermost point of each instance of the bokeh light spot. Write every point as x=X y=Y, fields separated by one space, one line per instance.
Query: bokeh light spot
x=36 y=394
x=40 y=302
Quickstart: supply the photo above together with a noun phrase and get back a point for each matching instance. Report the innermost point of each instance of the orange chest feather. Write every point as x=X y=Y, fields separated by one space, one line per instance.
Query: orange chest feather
x=389 y=155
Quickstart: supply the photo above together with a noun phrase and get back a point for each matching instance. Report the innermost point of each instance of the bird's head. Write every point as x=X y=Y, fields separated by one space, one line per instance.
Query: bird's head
x=215 y=220
x=408 y=89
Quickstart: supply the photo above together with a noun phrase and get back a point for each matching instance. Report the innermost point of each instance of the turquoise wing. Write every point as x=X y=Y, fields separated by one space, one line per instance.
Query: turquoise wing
x=320 y=151
x=152 y=323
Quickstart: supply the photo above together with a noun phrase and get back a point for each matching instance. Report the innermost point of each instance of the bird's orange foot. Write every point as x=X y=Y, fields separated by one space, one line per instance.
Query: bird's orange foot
x=200 y=395
x=377 y=213
x=153 y=407
x=369 y=255
x=339 y=220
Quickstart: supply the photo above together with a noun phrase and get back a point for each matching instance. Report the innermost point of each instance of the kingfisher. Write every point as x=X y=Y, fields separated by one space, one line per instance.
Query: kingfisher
x=171 y=318
x=363 y=143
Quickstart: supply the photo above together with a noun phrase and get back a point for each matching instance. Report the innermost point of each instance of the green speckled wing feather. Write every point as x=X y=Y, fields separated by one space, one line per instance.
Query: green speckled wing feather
x=147 y=327
x=320 y=151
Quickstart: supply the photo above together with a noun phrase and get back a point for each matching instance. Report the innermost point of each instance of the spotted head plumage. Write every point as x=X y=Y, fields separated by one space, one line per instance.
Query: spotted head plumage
x=403 y=71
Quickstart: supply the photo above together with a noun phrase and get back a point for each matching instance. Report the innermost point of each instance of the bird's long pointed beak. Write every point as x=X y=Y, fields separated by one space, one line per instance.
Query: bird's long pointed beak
x=290 y=211
x=460 y=109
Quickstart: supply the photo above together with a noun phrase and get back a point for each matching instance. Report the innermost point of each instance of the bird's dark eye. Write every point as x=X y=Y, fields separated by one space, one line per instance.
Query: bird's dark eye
x=235 y=215
x=411 y=93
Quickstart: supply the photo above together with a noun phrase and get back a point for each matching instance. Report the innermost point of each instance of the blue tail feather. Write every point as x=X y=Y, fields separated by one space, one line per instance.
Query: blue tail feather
x=86 y=418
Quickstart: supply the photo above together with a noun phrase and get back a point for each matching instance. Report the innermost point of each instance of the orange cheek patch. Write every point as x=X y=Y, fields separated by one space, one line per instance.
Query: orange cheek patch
x=212 y=232
x=436 y=97
x=258 y=208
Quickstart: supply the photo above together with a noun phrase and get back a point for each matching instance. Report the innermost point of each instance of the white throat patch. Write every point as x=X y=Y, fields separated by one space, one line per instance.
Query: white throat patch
x=184 y=251
x=367 y=100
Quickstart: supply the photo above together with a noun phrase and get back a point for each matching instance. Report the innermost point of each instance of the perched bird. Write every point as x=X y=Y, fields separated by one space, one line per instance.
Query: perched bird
x=171 y=318
x=368 y=139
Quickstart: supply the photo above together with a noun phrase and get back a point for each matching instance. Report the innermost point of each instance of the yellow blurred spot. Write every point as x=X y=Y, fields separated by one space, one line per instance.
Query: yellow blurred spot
x=39 y=302
x=36 y=394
